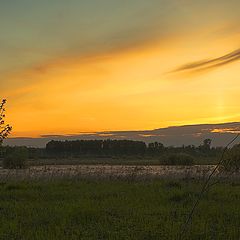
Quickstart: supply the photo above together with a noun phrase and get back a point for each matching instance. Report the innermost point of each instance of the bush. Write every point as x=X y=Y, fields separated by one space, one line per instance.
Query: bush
x=178 y=159
x=16 y=159
x=232 y=160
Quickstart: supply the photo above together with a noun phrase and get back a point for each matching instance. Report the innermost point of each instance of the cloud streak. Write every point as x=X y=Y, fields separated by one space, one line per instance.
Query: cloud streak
x=210 y=63
x=170 y=136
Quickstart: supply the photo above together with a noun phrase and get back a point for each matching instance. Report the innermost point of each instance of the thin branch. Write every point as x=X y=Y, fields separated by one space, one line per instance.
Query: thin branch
x=204 y=188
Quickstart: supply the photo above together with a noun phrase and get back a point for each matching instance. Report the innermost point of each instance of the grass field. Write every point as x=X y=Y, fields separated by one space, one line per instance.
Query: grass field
x=90 y=209
x=151 y=161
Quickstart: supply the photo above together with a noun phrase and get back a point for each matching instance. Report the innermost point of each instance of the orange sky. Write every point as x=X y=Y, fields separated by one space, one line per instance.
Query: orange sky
x=129 y=86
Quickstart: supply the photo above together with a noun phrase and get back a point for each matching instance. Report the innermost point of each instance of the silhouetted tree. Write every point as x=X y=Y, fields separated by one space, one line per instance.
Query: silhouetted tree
x=124 y=148
x=205 y=148
x=16 y=159
x=231 y=161
x=5 y=129
x=95 y=147
x=155 y=148
x=207 y=143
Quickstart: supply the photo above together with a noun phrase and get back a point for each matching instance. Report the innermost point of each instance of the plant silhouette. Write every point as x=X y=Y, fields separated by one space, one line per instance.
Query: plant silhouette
x=5 y=129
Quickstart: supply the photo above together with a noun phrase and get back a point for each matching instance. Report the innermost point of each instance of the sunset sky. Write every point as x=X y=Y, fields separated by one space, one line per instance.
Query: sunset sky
x=88 y=65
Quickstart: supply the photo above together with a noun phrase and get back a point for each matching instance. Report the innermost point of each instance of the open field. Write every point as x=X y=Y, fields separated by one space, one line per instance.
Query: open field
x=90 y=209
x=132 y=161
x=110 y=172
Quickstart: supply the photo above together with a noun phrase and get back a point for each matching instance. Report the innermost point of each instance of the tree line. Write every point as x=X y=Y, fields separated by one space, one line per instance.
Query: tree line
x=17 y=157
x=124 y=148
x=111 y=148
x=96 y=147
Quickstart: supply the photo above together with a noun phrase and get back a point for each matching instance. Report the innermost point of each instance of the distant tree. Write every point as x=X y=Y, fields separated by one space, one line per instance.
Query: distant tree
x=205 y=147
x=155 y=148
x=95 y=147
x=178 y=159
x=232 y=160
x=207 y=143
x=16 y=159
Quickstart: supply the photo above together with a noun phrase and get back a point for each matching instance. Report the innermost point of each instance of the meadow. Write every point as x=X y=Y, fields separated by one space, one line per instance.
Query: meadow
x=117 y=209
x=113 y=160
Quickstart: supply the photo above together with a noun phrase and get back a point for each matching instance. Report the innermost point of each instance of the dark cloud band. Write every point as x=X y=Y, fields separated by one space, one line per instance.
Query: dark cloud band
x=211 y=63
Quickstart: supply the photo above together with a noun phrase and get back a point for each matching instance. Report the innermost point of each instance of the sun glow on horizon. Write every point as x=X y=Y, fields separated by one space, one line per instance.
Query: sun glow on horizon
x=186 y=74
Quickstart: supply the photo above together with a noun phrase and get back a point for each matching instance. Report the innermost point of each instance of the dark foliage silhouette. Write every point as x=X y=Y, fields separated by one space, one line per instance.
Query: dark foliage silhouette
x=16 y=159
x=231 y=162
x=5 y=129
x=109 y=147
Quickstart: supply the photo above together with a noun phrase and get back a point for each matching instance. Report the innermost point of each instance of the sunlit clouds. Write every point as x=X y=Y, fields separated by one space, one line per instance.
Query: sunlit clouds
x=107 y=68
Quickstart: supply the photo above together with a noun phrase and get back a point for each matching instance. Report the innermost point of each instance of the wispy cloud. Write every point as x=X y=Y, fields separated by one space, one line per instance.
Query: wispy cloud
x=210 y=63
x=170 y=136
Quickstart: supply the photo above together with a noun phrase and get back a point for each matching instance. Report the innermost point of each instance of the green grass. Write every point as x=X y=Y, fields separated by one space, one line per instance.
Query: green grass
x=139 y=161
x=116 y=210
x=95 y=161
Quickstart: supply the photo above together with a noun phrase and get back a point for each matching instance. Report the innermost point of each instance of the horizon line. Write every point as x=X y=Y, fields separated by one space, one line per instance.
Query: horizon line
x=42 y=136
